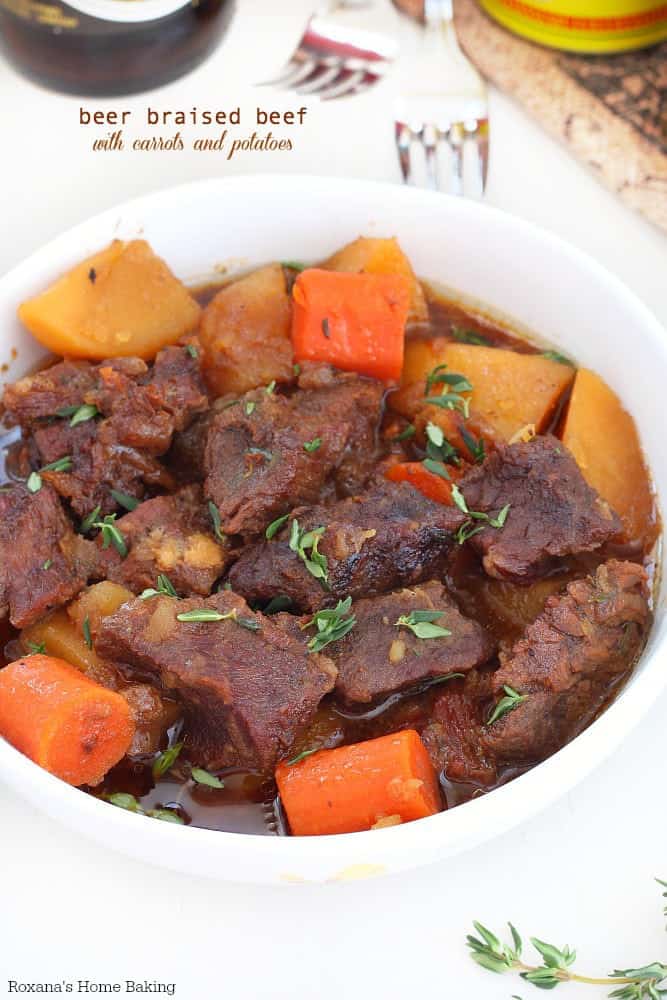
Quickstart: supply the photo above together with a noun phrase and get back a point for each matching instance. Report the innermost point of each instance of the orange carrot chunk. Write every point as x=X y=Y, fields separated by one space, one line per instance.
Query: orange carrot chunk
x=430 y=484
x=353 y=321
x=66 y=723
x=353 y=787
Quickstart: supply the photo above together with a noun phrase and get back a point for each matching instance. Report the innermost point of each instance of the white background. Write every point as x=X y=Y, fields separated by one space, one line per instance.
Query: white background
x=580 y=872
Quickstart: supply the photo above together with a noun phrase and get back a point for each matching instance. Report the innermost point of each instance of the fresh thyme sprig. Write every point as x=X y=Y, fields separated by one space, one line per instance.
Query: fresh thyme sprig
x=468 y=528
x=487 y=950
x=34 y=480
x=111 y=534
x=453 y=385
x=164 y=588
x=421 y=624
x=303 y=541
x=510 y=700
x=331 y=624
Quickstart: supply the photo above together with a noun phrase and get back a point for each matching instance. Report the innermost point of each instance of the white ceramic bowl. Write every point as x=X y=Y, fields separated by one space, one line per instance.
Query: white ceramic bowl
x=515 y=268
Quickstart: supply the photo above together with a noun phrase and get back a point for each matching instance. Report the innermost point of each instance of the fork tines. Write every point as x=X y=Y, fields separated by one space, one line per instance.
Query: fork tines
x=334 y=60
x=450 y=156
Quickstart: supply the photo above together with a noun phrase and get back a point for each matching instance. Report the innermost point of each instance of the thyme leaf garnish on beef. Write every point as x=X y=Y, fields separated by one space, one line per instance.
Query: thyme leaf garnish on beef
x=312 y=445
x=275 y=526
x=36 y=648
x=164 y=588
x=303 y=541
x=422 y=624
x=270 y=388
x=475 y=446
x=438 y=448
x=510 y=700
x=78 y=414
x=192 y=351
x=642 y=983
x=468 y=528
x=331 y=624
x=166 y=760
x=293 y=265
x=437 y=468
x=250 y=408
x=210 y=615
x=111 y=534
x=34 y=480
x=202 y=777
x=89 y=520
x=48 y=563
x=125 y=500
x=214 y=514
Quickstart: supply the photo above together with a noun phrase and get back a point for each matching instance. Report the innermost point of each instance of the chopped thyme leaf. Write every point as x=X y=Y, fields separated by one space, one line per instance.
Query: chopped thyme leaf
x=467 y=530
x=250 y=407
x=275 y=526
x=294 y=265
x=34 y=482
x=111 y=534
x=557 y=356
x=437 y=468
x=36 y=648
x=296 y=369
x=475 y=447
x=202 y=777
x=464 y=336
x=511 y=699
x=271 y=387
x=48 y=564
x=89 y=520
x=405 y=434
x=125 y=500
x=276 y=604
x=124 y=801
x=421 y=624
x=312 y=445
x=301 y=541
x=86 y=632
x=331 y=624
x=192 y=351
x=205 y=615
x=438 y=448
x=214 y=514
x=166 y=760
x=81 y=414
x=302 y=756
x=165 y=588
x=325 y=327
x=445 y=677
x=166 y=815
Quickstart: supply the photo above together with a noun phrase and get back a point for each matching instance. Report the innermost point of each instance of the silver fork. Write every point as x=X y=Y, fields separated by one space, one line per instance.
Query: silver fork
x=442 y=124
x=336 y=57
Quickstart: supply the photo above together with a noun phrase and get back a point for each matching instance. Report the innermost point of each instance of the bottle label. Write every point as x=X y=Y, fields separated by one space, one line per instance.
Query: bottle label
x=123 y=11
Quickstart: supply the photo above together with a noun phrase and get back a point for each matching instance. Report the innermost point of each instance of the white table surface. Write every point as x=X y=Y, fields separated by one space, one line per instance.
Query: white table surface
x=580 y=872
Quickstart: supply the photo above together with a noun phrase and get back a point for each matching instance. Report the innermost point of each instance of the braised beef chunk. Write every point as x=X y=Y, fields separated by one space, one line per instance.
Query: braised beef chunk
x=389 y=537
x=568 y=660
x=553 y=512
x=378 y=656
x=453 y=736
x=43 y=564
x=40 y=396
x=268 y=453
x=247 y=683
x=135 y=411
x=169 y=535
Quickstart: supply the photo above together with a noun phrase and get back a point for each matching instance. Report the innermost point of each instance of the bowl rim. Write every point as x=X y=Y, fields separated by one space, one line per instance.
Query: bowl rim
x=541 y=785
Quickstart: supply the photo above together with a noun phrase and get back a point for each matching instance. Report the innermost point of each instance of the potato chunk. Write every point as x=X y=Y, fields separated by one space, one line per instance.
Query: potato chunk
x=122 y=301
x=245 y=333
x=510 y=390
x=603 y=438
x=63 y=638
x=381 y=256
x=96 y=602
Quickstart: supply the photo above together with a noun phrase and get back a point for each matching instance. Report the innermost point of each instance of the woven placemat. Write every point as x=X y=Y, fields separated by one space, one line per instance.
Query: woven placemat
x=611 y=111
